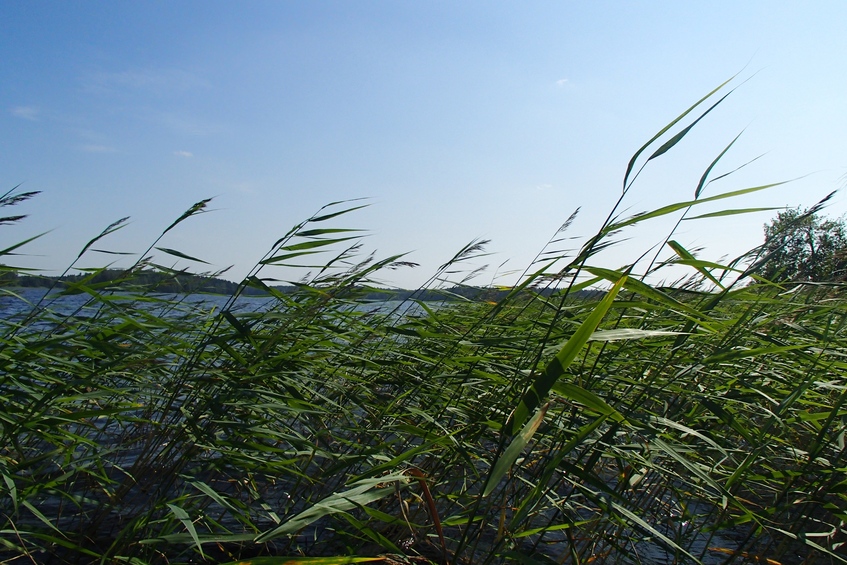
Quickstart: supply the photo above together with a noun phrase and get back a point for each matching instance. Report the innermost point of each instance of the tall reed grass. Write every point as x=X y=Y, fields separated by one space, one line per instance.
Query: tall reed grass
x=698 y=423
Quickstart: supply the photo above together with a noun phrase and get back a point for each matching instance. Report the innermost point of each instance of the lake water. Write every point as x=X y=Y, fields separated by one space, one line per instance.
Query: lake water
x=16 y=303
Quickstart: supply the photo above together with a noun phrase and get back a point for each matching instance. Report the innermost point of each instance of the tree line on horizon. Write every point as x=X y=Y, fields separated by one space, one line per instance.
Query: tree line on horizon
x=800 y=245
x=183 y=282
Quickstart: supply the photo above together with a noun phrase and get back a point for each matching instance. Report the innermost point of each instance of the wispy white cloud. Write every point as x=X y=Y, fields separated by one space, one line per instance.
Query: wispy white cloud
x=244 y=187
x=25 y=112
x=157 y=81
x=186 y=125
x=93 y=148
x=186 y=154
x=562 y=82
x=544 y=187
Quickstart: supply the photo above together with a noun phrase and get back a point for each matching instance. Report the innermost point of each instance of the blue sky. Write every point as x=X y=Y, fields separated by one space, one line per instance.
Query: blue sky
x=458 y=120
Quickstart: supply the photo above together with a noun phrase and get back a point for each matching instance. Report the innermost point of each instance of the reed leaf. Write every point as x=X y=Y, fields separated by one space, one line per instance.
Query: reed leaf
x=510 y=455
x=557 y=366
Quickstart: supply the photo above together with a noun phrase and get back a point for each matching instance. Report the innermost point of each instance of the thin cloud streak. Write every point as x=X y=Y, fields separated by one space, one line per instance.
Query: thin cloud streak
x=157 y=81
x=97 y=149
x=25 y=112
x=186 y=125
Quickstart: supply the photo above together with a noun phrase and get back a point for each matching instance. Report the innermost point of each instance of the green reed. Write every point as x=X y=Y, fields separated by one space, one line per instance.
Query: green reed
x=700 y=422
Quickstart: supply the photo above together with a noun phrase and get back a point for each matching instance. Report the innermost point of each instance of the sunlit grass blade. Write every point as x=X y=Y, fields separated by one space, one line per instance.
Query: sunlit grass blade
x=111 y=228
x=678 y=136
x=180 y=254
x=630 y=333
x=510 y=455
x=183 y=517
x=671 y=208
x=557 y=366
x=9 y=250
x=362 y=494
x=631 y=165
x=197 y=208
x=733 y=212
x=687 y=256
x=704 y=177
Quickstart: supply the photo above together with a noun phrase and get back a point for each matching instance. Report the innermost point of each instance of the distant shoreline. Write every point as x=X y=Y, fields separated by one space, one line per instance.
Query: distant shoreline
x=186 y=283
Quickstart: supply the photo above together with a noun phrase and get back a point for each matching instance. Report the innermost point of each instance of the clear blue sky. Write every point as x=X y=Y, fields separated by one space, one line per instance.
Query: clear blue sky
x=458 y=119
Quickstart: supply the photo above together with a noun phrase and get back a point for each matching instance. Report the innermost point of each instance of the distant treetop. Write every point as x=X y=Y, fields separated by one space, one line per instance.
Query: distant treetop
x=801 y=246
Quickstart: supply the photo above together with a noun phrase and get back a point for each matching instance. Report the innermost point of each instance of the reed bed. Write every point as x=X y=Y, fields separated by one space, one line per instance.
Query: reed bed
x=701 y=422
